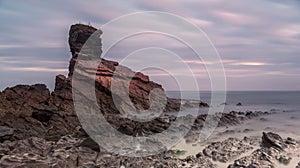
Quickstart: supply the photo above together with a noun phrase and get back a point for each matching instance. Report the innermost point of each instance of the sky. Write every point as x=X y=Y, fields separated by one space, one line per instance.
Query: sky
x=257 y=40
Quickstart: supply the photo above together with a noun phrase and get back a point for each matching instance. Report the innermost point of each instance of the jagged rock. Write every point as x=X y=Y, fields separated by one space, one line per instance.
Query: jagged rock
x=62 y=96
x=202 y=104
x=107 y=160
x=227 y=150
x=229 y=119
x=21 y=99
x=42 y=116
x=27 y=160
x=33 y=145
x=298 y=166
x=30 y=111
x=90 y=143
x=194 y=104
x=290 y=141
x=239 y=104
x=263 y=157
x=73 y=157
x=78 y=35
x=68 y=152
x=269 y=154
x=35 y=152
x=272 y=140
x=5 y=133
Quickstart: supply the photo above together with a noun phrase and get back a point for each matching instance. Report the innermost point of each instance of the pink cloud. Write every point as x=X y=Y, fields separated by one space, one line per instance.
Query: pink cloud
x=236 y=18
x=35 y=69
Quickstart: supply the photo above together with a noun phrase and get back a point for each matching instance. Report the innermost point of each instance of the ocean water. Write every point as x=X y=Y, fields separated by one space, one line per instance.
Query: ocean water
x=251 y=100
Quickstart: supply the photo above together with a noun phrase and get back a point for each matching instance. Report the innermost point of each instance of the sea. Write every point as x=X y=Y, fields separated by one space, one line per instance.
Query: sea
x=250 y=100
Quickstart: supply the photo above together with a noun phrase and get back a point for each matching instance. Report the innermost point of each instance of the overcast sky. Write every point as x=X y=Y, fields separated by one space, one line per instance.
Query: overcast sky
x=258 y=40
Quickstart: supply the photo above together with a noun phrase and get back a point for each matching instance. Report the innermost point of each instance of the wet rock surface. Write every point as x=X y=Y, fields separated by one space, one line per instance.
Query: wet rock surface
x=229 y=149
x=272 y=140
x=71 y=151
x=272 y=153
x=5 y=133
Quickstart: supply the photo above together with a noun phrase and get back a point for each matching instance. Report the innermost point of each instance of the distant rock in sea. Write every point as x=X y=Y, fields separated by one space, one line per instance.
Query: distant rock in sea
x=239 y=104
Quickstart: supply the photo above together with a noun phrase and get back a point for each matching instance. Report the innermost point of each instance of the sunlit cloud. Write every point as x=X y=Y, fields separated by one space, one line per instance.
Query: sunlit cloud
x=35 y=69
x=200 y=22
x=251 y=63
x=11 y=46
x=226 y=62
x=13 y=60
x=235 y=18
x=199 y=62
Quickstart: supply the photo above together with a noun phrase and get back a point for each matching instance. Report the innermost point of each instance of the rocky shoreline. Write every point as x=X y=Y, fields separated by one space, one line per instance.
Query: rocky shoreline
x=39 y=128
x=75 y=151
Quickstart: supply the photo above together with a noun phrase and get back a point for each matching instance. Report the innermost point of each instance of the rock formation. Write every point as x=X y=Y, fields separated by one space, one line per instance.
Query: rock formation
x=140 y=85
x=274 y=151
x=34 y=111
x=30 y=111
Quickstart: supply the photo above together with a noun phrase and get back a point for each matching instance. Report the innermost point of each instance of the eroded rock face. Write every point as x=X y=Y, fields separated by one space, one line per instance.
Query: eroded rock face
x=271 y=139
x=33 y=111
x=139 y=84
x=22 y=99
x=229 y=149
x=70 y=152
x=78 y=35
x=36 y=152
x=30 y=111
x=5 y=133
x=274 y=151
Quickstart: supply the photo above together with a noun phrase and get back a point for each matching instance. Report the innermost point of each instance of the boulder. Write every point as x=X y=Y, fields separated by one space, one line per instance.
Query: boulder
x=5 y=133
x=272 y=140
x=270 y=154
x=22 y=99
x=227 y=150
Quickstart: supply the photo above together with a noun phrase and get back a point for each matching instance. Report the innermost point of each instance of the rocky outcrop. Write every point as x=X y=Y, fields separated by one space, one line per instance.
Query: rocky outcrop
x=73 y=151
x=36 y=152
x=69 y=152
x=30 y=111
x=273 y=140
x=33 y=111
x=140 y=85
x=5 y=133
x=239 y=104
x=229 y=149
x=274 y=151
x=22 y=99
